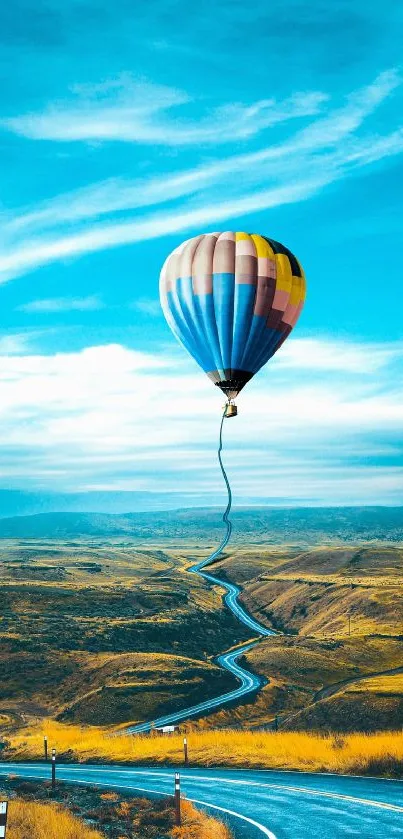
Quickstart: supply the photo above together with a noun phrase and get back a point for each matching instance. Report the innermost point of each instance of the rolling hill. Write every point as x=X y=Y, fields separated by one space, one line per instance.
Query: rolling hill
x=340 y=614
x=92 y=632
x=257 y=525
x=100 y=619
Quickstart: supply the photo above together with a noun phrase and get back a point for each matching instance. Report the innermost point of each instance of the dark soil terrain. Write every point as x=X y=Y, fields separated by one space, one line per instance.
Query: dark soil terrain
x=114 y=815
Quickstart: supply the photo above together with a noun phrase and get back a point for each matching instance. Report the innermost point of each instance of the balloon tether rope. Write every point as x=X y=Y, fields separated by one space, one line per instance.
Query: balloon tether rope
x=225 y=518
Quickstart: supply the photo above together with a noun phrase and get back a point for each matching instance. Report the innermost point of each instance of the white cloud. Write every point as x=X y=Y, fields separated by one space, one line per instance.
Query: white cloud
x=112 y=417
x=15 y=344
x=37 y=252
x=337 y=355
x=63 y=304
x=104 y=198
x=138 y=112
x=147 y=306
x=330 y=148
x=114 y=195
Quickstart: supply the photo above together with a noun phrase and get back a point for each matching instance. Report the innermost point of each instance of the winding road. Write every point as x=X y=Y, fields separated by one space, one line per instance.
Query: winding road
x=257 y=804
x=249 y=682
x=254 y=803
x=231 y=600
x=277 y=805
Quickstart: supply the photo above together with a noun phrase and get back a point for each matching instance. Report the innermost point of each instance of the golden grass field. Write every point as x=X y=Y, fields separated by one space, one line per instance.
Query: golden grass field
x=30 y=820
x=116 y=632
x=33 y=820
x=380 y=753
x=379 y=684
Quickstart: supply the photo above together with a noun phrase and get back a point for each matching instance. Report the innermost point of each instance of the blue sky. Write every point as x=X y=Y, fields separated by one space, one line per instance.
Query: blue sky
x=127 y=127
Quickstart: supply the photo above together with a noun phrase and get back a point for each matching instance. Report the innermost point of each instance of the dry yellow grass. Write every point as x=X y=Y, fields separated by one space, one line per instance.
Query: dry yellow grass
x=197 y=825
x=45 y=821
x=314 y=591
x=385 y=685
x=380 y=753
x=33 y=820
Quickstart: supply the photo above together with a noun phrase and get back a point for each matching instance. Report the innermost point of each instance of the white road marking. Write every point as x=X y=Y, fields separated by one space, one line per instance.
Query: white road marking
x=259 y=826
x=264 y=830
x=368 y=802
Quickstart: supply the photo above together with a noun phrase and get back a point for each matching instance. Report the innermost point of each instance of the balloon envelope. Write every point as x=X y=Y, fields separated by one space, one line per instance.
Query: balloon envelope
x=231 y=299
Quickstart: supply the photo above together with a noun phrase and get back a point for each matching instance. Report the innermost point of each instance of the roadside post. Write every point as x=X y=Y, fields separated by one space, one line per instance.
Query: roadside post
x=3 y=818
x=45 y=748
x=53 y=769
x=177 y=799
x=185 y=750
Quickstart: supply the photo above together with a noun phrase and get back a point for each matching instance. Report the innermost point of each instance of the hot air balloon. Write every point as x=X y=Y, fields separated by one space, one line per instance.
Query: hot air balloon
x=231 y=299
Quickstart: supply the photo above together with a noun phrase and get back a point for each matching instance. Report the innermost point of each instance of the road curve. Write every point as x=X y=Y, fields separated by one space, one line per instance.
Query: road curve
x=257 y=804
x=249 y=682
x=231 y=599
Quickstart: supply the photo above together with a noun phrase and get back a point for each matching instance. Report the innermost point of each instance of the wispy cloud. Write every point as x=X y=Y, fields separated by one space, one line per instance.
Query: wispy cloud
x=139 y=112
x=63 y=304
x=323 y=134
x=147 y=306
x=75 y=420
x=331 y=147
x=35 y=252
x=331 y=355
x=16 y=343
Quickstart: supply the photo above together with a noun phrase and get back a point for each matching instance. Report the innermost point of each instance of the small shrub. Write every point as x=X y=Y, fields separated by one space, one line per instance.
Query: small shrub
x=338 y=742
x=385 y=765
x=123 y=810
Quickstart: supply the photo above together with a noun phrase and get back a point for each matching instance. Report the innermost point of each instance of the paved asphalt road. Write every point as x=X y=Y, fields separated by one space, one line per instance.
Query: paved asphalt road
x=231 y=600
x=249 y=682
x=277 y=805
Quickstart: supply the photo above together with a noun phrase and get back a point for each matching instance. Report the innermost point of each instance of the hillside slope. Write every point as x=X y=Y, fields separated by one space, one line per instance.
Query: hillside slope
x=340 y=614
x=106 y=633
x=113 y=630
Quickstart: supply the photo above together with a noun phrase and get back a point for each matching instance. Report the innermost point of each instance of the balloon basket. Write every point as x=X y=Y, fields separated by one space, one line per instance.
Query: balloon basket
x=231 y=410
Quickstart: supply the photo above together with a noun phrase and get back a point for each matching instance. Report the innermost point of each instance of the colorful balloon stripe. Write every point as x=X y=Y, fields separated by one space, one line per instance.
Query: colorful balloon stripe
x=232 y=299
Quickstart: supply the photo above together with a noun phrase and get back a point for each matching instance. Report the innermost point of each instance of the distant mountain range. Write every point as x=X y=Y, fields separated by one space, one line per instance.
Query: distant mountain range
x=15 y=502
x=264 y=525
